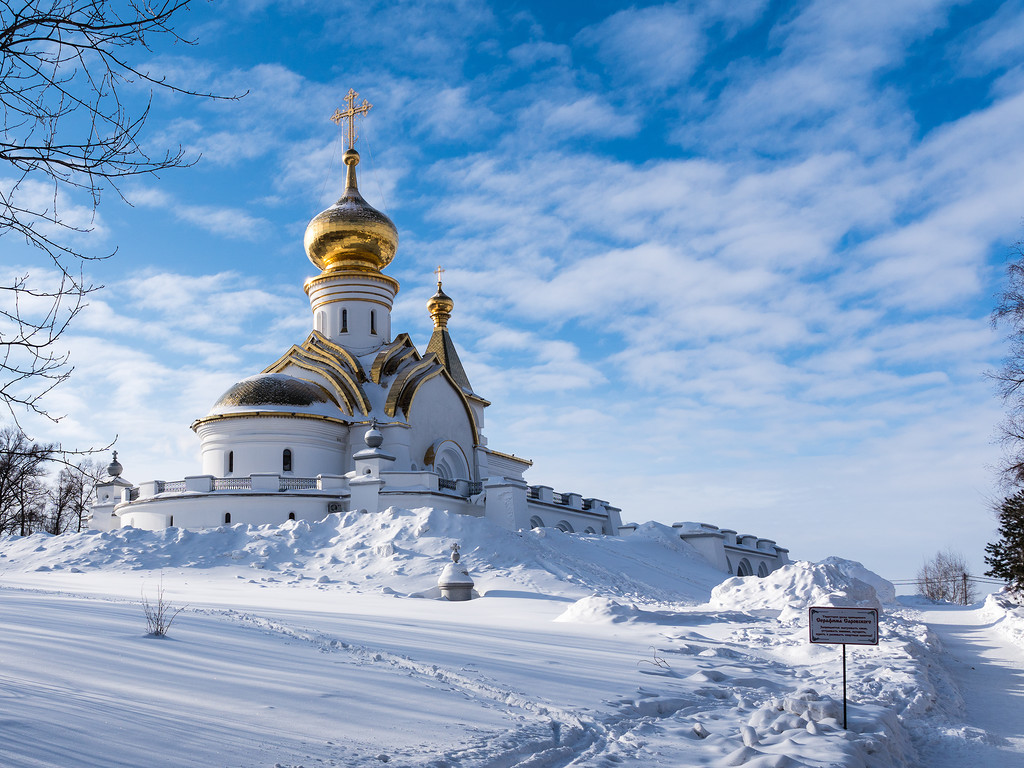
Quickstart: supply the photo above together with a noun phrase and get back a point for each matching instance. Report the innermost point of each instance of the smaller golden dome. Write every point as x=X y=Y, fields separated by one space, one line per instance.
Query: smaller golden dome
x=440 y=307
x=351 y=234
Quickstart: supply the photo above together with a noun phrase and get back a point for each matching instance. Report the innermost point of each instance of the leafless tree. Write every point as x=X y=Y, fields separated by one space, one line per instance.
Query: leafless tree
x=70 y=132
x=946 y=577
x=69 y=497
x=1009 y=379
x=23 y=493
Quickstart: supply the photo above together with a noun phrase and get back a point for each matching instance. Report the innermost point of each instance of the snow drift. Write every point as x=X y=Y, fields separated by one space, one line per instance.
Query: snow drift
x=792 y=589
x=399 y=550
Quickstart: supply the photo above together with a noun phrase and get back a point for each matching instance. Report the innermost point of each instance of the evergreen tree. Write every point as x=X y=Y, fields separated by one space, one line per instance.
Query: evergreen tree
x=1005 y=557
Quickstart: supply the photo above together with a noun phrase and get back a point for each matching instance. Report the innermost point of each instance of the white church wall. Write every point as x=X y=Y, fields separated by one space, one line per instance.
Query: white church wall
x=723 y=549
x=505 y=503
x=103 y=517
x=438 y=414
x=258 y=445
x=504 y=465
x=407 y=498
x=710 y=544
x=397 y=436
x=208 y=510
x=568 y=519
x=477 y=407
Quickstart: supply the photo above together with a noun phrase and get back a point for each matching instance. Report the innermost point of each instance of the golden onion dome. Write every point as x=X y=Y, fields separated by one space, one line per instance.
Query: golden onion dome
x=351 y=234
x=440 y=307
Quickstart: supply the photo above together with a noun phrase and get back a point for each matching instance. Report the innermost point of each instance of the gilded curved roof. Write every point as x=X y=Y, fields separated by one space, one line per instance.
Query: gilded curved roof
x=351 y=233
x=274 y=389
x=339 y=368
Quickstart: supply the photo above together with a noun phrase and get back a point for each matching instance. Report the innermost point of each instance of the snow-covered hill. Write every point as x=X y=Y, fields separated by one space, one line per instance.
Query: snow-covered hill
x=324 y=644
x=401 y=551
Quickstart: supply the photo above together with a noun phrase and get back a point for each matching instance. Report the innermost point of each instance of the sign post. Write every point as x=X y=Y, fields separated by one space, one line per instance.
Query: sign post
x=842 y=626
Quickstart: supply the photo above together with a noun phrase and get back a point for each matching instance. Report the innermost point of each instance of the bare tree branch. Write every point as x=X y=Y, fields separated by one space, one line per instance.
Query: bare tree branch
x=1009 y=378
x=67 y=129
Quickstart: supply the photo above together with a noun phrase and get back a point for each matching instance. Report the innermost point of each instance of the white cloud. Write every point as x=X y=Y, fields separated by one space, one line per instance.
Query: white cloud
x=659 y=46
x=450 y=113
x=231 y=223
x=588 y=115
x=995 y=42
x=529 y=55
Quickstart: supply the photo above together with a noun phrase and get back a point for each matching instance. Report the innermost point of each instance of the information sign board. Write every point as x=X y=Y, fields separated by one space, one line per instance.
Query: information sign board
x=849 y=626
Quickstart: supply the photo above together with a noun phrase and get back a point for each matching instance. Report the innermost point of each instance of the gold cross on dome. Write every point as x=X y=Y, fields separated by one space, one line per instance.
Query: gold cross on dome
x=350 y=115
x=438 y=272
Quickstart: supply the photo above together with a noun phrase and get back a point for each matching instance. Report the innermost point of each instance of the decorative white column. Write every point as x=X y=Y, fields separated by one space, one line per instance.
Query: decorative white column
x=370 y=462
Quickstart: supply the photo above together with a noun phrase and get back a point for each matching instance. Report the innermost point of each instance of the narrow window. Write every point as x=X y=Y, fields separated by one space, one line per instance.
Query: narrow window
x=344 y=321
x=373 y=322
x=291 y=515
x=286 y=460
x=227 y=518
x=231 y=462
x=172 y=521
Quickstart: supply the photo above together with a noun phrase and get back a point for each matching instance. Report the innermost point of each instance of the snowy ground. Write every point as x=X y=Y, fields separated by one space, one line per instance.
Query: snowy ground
x=317 y=645
x=984 y=728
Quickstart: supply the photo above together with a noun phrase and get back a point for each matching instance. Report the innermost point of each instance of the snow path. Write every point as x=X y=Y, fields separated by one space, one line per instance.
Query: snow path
x=989 y=671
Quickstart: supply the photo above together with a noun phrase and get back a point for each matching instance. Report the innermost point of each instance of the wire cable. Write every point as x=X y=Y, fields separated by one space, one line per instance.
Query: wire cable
x=330 y=169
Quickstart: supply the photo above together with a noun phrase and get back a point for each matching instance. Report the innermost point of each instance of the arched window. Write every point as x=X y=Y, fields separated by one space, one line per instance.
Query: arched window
x=227 y=518
x=286 y=460
x=563 y=525
x=291 y=515
x=344 y=321
x=588 y=529
x=536 y=522
x=231 y=462
x=762 y=569
x=373 y=322
x=744 y=568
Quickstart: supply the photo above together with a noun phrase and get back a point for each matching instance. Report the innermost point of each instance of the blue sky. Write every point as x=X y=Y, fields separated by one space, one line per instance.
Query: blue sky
x=721 y=261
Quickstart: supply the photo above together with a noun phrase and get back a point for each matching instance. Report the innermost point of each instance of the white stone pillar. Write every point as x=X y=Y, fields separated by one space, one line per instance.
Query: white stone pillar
x=505 y=503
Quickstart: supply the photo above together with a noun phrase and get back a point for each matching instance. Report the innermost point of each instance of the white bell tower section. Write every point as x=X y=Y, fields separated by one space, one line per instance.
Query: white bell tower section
x=353 y=309
x=351 y=242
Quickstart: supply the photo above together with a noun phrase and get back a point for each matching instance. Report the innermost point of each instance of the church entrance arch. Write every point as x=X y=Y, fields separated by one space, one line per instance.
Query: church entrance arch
x=449 y=461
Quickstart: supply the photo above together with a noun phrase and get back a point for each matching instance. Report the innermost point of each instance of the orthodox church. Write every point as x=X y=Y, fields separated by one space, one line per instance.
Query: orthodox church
x=356 y=418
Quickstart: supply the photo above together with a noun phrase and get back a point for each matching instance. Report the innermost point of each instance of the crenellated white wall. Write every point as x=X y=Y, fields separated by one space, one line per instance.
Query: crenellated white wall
x=738 y=555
